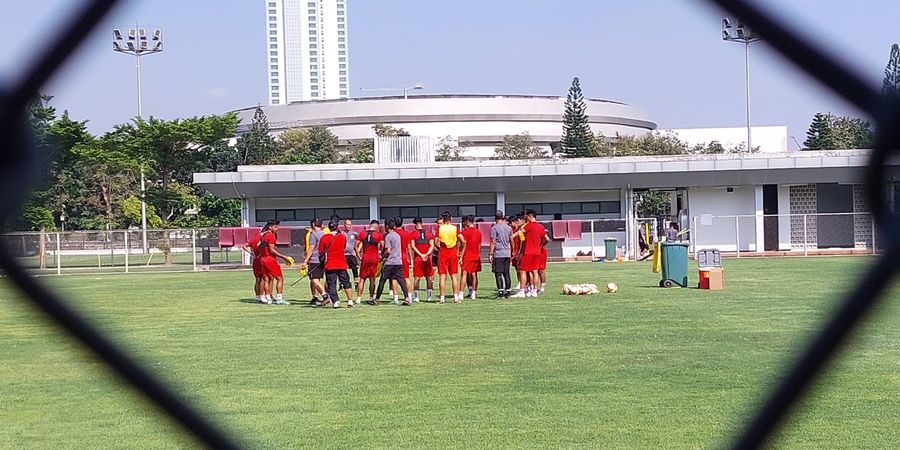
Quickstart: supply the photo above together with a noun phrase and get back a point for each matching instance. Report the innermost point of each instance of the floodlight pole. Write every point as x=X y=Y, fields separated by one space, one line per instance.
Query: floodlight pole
x=136 y=37
x=746 y=37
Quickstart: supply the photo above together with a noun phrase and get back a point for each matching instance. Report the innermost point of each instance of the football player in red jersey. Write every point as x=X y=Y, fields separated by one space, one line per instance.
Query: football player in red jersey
x=423 y=247
x=270 y=265
x=252 y=247
x=369 y=246
x=471 y=255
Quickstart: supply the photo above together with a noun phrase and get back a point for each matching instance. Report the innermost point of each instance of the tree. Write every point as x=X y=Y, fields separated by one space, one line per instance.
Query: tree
x=256 y=146
x=653 y=143
x=172 y=151
x=829 y=132
x=652 y=203
x=447 y=150
x=518 y=146
x=578 y=139
x=387 y=130
x=362 y=153
x=322 y=143
x=891 y=85
x=294 y=145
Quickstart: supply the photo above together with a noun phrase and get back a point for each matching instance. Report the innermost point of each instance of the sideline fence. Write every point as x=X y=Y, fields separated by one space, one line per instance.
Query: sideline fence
x=184 y=250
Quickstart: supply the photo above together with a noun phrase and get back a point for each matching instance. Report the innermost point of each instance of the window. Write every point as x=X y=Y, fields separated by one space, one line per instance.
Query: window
x=343 y=60
x=273 y=53
x=485 y=210
x=273 y=46
x=284 y=214
x=272 y=39
x=313 y=80
x=312 y=11
x=590 y=208
x=313 y=39
x=343 y=79
x=571 y=208
x=428 y=212
x=314 y=74
x=343 y=93
x=343 y=86
x=273 y=33
x=273 y=60
x=312 y=32
x=610 y=207
x=275 y=101
x=275 y=87
x=551 y=208
x=342 y=45
x=342 y=52
x=313 y=53
x=341 y=33
x=389 y=212
x=273 y=25
x=313 y=60
x=314 y=94
x=314 y=67
x=265 y=215
x=343 y=66
x=342 y=39
x=272 y=18
x=343 y=72
x=272 y=11
x=340 y=13
x=274 y=74
x=273 y=67
x=340 y=26
x=312 y=18
x=340 y=6
x=271 y=4
x=311 y=4
x=274 y=81
x=313 y=46
x=340 y=19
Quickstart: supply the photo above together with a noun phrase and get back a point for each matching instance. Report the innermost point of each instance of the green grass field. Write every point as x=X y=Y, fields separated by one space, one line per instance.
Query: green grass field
x=642 y=368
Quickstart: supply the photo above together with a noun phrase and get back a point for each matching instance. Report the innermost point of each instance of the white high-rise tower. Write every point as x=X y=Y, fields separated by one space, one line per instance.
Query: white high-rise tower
x=308 y=51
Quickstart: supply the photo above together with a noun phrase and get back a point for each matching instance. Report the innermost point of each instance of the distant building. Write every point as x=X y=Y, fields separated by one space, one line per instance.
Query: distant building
x=476 y=123
x=307 y=47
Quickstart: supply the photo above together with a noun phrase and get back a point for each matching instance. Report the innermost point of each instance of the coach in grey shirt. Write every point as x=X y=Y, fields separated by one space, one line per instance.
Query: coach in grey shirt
x=500 y=254
x=393 y=263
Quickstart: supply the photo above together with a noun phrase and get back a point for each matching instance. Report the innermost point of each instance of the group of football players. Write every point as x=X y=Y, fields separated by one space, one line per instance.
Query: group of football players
x=336 y=251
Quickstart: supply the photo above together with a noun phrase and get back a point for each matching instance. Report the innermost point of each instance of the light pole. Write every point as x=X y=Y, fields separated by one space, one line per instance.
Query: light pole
x=405 y=89
x=136 y=44
x=741 y=34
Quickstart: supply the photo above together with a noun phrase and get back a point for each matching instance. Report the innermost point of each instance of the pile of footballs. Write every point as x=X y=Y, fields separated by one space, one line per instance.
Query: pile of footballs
x=587 y=289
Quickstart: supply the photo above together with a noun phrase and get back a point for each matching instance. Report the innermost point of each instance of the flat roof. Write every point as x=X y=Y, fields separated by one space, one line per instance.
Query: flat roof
x=841 y=166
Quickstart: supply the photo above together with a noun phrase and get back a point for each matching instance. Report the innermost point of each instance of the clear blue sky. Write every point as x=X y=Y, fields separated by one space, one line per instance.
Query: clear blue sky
x=663 y=56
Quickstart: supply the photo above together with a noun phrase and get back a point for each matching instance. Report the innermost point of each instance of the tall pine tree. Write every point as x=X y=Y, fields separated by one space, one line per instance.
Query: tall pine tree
x=819 y=133
x=892 y=73
x=577 y=140
x=256 y=145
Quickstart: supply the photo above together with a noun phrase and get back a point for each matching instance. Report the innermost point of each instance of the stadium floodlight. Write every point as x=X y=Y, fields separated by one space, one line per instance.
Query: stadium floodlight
x=745 y=36
x=136 y=45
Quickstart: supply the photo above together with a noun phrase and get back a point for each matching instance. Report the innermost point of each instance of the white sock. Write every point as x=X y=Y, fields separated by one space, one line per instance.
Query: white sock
x=428 y=293
x=279 y=297
x=443 y=298
x=358 y=299
x=267 y=298
x=259 y=298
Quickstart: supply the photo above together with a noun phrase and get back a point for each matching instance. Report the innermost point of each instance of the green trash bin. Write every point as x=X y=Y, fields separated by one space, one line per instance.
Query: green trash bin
x=610 y=248
x=674 y=260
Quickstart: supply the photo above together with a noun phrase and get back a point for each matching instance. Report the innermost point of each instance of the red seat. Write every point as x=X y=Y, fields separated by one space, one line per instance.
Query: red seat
x=408 y=227
x=284 y=236
x=485 y=229
x=252 y=233
x=361 y=229
x=574 y=229
x=240 y=236
x=559 y=229
x=226 y=237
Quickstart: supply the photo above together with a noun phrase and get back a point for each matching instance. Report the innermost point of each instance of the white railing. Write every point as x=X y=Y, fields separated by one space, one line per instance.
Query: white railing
x=404 y=149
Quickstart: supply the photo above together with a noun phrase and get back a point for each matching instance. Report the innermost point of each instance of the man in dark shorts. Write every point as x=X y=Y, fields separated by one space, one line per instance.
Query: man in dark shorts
x=500 y=254
x=350 y=254
x=316 y=271
x=393 y=262
x=369 y=246
x=331 y=248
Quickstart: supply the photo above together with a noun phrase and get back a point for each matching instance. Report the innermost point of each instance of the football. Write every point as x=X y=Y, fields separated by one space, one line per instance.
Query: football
x=611 y=287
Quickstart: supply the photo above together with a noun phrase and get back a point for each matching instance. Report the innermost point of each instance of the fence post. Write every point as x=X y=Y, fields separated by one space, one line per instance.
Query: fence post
x=593 y=250
x=126 y=250
x=694 y=237
x=805 y=251
x=874 y=247
x=194 y=248
x=58 y=256
x=42 y=250
x=737 y=236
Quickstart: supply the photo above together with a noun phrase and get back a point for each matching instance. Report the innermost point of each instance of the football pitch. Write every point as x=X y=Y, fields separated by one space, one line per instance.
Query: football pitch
x=645 y=367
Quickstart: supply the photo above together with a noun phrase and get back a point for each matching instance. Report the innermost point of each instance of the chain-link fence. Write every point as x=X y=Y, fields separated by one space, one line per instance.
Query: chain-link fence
x=571 y=240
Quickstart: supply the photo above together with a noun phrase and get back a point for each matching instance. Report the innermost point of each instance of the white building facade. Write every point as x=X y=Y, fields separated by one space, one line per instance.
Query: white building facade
x=308 y=50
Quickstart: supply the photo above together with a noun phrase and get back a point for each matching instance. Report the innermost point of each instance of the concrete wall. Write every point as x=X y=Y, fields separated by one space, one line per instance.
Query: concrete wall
x=721 y=232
